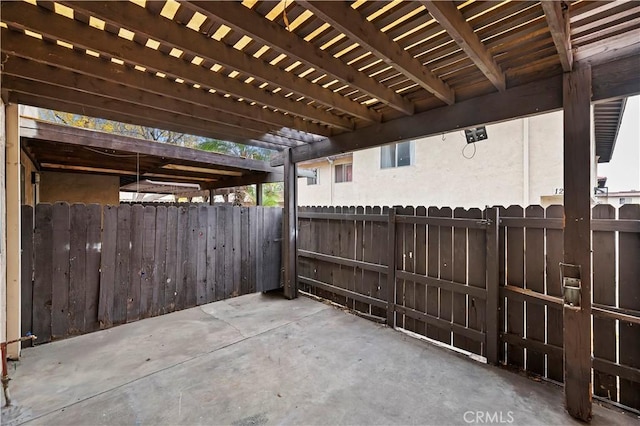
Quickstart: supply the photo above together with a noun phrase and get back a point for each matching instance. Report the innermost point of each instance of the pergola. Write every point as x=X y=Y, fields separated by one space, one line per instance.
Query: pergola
x=316 y=79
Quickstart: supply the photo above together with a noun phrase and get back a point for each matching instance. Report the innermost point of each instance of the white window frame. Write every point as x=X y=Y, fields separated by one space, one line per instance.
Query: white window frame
x=412 y=155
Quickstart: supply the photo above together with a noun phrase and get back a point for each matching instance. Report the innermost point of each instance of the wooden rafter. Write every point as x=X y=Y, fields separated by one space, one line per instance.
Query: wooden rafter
x=159 y=119
x=16 y=45
x=558 y=22
x=610 y=80
x=39 y=20
x=33 y=129
x=348 y=21
x=450 y=18
x=241 y=19
x=33 y=71
x=93 y=100
x=175 y=36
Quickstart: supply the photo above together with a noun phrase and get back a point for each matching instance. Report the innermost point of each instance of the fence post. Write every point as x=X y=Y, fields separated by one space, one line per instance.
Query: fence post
x=493 y=290
x=391 y=271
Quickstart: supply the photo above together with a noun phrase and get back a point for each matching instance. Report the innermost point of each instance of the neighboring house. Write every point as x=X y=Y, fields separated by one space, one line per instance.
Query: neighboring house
x=519 y=163
x=618 y=198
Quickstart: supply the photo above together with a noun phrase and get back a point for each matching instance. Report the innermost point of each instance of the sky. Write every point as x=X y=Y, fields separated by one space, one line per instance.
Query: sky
x=623 y=171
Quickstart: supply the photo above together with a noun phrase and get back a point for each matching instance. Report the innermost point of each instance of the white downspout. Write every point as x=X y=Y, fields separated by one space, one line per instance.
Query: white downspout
x=331 y=179
x=525 y=162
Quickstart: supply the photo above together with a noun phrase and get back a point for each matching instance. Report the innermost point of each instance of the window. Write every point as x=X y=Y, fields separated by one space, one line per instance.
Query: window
x=344 y=173
x=313 y=180
x=624 y=201
x=396 y=155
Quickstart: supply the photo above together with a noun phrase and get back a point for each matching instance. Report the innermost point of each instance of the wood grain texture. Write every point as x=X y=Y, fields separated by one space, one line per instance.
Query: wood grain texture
x=577 y=239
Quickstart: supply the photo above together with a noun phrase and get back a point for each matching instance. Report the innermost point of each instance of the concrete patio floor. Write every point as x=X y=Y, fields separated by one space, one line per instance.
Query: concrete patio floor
x=260 y=359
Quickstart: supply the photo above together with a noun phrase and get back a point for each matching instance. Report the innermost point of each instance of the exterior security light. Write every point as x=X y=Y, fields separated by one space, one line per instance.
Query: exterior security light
x=475 y=134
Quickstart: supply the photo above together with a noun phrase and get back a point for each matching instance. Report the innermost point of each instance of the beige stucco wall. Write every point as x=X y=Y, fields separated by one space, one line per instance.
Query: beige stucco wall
x=79 y=188
x=28 y=186
x=519 y=163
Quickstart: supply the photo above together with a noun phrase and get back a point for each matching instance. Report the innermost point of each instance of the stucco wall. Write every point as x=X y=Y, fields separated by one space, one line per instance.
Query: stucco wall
x=519 y=163
x=79 y=188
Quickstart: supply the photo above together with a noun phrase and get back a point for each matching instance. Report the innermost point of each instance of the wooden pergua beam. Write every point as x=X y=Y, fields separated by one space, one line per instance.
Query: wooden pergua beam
x=290 y=227
x=450 y=18
x=17 y=45
x=246 y=21
x=348 y=21
x=558 y=21
x=577 y=240
x=42 y=21
x=175 y=36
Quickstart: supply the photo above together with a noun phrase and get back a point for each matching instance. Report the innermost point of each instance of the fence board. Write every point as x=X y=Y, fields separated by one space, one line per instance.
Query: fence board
x=43 y=273
x=515 y=278
x=460 y=276
x=212 y=251
x=123 y=265
x=147 y=275
x=92 y=269
x=604 y=329
x=446 y=273
x=370 y=279
x=77 y=267
x=400 y=255
x=535 y=319
x=182 y=257
x=159 y=280
x=108 y=267
x=421 y=269
x=629 y=296
x=253 y=244
x=60 y=283
x=26 y=272
x=171 y=263
x=359 y=285
x=433 y=270
x=477 y=264
x=221 y=225
x=136 y=272
x=237 y=251
x=324 y=246
x=554 y=250
x=201 y=259
x=191 y=272
x=409 y=251
x=245 y=268
x=228 y=253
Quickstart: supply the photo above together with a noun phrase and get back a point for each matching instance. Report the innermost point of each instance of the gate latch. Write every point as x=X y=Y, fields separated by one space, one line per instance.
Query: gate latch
x=570 y=277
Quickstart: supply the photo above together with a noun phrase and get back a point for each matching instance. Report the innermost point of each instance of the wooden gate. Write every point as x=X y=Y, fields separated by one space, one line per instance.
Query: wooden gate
x=482 y=281
x=87 y=267
x=422 y=270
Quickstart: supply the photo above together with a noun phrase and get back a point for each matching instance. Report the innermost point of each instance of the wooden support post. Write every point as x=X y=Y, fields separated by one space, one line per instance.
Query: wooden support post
x=577 y=240
x=391 y=268
x=13 y=250
x=493 y=291
x=212 y=196
x=290 y=227
x=259 y=201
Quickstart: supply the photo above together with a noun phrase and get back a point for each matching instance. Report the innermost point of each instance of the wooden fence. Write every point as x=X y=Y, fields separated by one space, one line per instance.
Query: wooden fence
x=487 y=282
x=87 y=267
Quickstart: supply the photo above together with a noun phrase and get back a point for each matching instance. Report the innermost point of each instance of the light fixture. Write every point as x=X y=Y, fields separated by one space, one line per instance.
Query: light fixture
x=475 y=134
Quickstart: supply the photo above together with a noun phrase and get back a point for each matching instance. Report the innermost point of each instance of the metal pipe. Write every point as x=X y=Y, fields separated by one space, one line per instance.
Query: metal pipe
x=5 y=370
